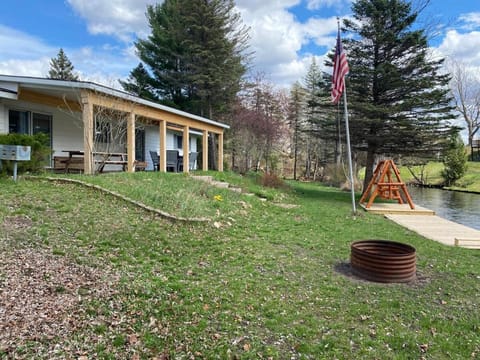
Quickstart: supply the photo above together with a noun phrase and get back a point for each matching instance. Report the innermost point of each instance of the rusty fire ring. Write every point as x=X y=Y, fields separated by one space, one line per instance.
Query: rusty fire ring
x=383 y=261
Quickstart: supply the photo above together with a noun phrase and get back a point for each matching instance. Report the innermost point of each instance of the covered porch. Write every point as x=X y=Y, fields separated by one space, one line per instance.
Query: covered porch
x=107 y=129
x=138 y=116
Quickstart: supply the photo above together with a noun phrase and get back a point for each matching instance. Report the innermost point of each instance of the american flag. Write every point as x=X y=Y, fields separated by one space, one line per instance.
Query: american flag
x=340 y=69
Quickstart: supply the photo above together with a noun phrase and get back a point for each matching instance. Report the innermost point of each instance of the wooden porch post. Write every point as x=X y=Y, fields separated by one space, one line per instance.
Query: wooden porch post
x=220 y=151
x=205 y=150
x=163 y=145
x=131 y=142
x=87 y=117
x=186 y=148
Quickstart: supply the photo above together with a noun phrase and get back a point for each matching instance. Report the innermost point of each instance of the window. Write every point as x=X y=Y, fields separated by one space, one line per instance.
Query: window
x=18 y=122
x=41 y=123
x=179 y=141
x=30 y=123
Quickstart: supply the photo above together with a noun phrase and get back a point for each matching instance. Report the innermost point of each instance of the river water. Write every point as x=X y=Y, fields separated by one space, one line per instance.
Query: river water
x=463 y=208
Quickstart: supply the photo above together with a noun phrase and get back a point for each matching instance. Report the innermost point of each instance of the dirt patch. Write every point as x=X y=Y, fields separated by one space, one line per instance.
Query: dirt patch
x=345 y=269
x=41 y=294
x=15 y=223
x=286 y=206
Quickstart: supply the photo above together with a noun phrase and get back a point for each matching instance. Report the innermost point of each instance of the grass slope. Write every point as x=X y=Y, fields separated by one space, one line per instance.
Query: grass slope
x=265 y=282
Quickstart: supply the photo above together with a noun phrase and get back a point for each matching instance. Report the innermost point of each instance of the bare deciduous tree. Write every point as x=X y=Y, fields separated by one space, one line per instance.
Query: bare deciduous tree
x=465 y=90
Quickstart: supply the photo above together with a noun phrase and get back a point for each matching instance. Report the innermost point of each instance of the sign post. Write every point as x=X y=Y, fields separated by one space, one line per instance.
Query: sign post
x=15 y=153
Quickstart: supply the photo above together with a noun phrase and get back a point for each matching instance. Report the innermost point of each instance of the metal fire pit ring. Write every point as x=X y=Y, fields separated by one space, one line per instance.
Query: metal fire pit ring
x=383 y=261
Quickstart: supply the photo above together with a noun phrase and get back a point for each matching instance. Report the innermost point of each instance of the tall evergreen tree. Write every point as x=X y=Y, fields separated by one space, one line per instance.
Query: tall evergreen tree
x=296 y=121
x=195 y=54
x=138 y=83
x=61 y=68
x=397 y=93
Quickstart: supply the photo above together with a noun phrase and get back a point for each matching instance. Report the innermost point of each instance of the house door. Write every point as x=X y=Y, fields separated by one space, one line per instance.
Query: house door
x=140 y=144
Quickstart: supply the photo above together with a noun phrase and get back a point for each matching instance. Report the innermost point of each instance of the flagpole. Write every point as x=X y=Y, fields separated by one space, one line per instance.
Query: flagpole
x=349 y=152
x=340 y=69
x=347 y=130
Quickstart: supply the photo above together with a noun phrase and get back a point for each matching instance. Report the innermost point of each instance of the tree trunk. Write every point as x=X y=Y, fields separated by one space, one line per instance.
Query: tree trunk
x=470 y=143
x=212 y=152
x=295 y=165
x=369 y=167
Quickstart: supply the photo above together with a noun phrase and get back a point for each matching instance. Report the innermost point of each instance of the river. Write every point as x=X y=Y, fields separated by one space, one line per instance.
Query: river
x=463 y=208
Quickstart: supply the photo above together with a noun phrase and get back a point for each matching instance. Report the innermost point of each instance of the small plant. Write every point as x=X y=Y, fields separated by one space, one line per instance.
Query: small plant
x=60 y=289
x=272 y=180
x=218 y=198
x=455 y=161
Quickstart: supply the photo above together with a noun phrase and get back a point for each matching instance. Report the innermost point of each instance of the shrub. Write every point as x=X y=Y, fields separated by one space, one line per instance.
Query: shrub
x=455 y=161
x=271 y=180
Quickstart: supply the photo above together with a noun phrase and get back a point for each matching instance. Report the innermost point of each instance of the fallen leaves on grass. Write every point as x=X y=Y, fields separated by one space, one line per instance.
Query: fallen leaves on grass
x=40 y=296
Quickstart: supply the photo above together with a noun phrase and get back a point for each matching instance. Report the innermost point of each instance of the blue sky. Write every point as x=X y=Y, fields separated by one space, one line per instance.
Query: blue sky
x=98 y=35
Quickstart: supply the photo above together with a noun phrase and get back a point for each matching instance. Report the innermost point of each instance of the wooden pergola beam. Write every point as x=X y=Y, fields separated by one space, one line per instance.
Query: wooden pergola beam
x=87 y=117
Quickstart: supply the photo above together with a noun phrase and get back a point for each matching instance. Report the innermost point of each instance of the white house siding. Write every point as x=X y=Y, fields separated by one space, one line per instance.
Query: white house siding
x=152 y=143
x=3 y=119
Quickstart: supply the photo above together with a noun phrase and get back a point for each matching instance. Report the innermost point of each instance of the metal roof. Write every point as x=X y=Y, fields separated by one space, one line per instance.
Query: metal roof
x=64 y=86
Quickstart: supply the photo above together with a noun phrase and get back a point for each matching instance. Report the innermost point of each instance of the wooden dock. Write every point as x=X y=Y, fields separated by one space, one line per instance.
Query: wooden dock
x=439 y=229
x=394 y=208
x=424 y=222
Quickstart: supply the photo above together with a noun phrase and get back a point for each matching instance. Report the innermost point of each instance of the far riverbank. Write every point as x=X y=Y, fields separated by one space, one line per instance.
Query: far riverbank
x=431 y=173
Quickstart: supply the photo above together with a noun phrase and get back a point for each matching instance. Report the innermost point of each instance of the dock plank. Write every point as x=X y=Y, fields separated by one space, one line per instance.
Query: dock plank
x=391 y=208
x=439 y=229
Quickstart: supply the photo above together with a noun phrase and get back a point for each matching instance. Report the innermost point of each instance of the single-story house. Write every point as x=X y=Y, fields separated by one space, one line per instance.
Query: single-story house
x=104 y=128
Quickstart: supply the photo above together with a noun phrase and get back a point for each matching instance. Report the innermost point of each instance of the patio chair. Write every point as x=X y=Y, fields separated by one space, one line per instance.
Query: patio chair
x=172 y=160
x=155 y=160
x=192 y=158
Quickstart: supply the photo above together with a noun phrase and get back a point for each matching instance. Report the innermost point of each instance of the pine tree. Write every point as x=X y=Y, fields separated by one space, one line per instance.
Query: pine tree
x=138 y=83
x=61 y=68
x=397 y=93
x=296 y=121
x=195 y=54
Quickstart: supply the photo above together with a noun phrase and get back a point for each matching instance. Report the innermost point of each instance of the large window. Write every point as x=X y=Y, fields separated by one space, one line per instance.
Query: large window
x=28 y=122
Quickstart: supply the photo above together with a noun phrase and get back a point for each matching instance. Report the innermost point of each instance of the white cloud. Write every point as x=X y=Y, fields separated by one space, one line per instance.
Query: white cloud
x=17 y=44
x=26 y=55
x=322 y=30
x=103 y=65
x=38 y=67
x=118 y=18
x=318 y=4
x=461 y=47
x=23 y=54
x=471 y=20
x=277 y=38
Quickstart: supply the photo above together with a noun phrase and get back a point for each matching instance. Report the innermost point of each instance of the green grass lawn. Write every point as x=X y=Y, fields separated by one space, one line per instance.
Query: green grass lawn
x=258 y=281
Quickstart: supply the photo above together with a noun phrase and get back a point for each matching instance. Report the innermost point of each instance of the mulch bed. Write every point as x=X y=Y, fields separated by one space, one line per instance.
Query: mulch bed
x=41 y=295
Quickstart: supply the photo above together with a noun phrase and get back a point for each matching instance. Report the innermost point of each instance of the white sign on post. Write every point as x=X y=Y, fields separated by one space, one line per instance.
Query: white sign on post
x=15 y=153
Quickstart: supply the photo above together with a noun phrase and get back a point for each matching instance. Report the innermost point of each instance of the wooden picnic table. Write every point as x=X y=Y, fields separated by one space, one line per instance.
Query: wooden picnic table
x=112 y=158
x=73 y=156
